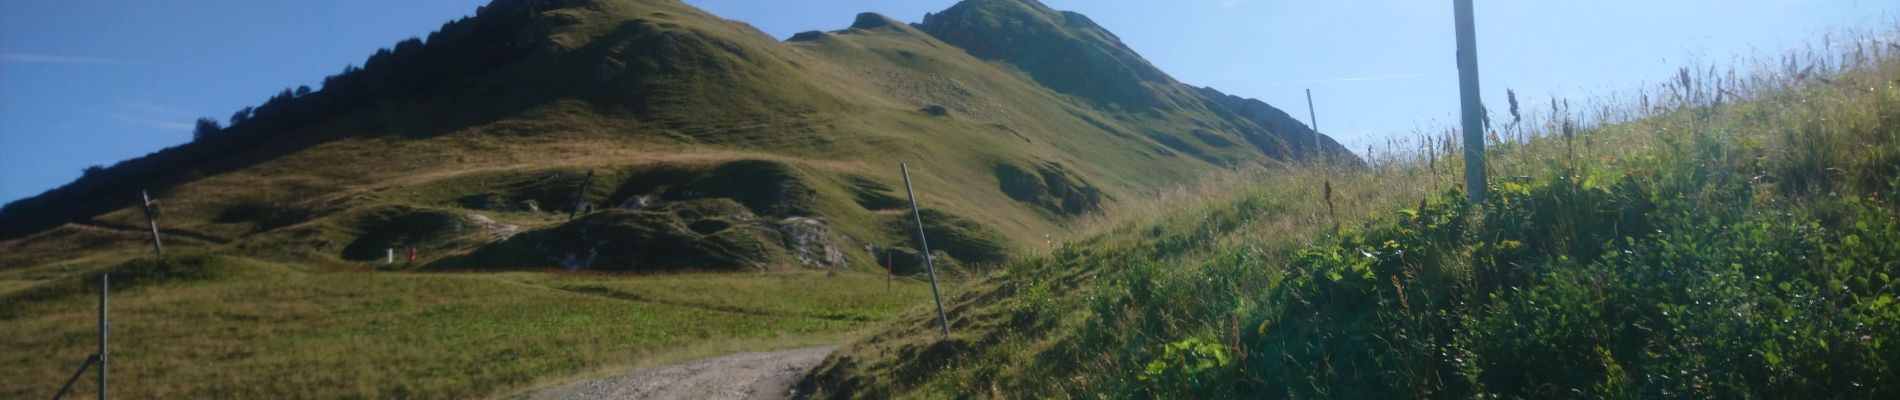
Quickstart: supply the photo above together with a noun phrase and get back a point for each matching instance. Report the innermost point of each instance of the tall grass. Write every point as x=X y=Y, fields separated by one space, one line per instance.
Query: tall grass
x=1729 y=233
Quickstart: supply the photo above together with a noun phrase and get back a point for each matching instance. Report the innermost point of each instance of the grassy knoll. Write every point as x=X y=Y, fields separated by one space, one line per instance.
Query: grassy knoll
x=206 y=326
x=1722 y=236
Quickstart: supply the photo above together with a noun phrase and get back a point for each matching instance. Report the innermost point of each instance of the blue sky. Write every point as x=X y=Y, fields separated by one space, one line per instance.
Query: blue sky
x=85 y=82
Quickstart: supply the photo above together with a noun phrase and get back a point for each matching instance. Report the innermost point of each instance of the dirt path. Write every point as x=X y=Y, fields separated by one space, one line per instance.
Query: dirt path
x=739 y=376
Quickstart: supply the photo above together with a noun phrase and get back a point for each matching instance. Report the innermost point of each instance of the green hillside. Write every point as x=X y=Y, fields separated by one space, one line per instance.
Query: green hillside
x=1722 y=236
x=721 y=146
x=738 y=192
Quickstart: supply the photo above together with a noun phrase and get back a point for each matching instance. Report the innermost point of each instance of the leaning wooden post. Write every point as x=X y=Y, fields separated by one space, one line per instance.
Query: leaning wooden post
x=104 y=328
x=924 y=242
x=151 y=219
x=90 y=359
x=580 y=196
x=1473 y=105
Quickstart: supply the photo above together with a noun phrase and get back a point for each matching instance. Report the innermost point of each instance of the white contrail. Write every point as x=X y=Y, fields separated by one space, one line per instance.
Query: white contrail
x=153 y=123
x=52 y=59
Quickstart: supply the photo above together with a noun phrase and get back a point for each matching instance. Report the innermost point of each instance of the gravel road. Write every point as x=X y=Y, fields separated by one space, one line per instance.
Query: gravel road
x=739 y=376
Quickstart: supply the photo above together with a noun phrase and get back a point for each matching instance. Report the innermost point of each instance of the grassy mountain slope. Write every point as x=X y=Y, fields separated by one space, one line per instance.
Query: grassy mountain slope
x=679 y=114
x=697 y=143
x=1731 y=237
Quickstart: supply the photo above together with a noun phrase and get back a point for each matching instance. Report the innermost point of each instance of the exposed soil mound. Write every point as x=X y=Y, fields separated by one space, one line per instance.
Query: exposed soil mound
x=810 y=242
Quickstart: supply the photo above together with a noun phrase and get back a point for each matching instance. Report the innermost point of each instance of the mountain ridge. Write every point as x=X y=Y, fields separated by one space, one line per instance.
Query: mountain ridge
x=667 y=102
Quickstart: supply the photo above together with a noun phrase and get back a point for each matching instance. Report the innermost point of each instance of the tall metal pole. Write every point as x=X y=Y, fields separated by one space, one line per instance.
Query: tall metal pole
x=1313 y=117
x=104 y=328
x=924 y=242
x=1473 y=105
x=151 y=219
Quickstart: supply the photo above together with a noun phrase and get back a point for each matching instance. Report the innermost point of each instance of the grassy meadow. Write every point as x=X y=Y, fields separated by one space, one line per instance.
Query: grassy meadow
x=1728 y=234
x=202 y=325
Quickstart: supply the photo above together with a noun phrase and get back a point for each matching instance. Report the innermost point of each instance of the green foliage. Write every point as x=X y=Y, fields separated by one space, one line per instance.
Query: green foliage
x=1192 y=368
x=1742 y=250
x=204 y=128
x=1555 y=282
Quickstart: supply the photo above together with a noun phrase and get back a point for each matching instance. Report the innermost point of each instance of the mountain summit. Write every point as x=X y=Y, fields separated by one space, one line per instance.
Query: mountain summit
x=1063 y=51
x=651 y=135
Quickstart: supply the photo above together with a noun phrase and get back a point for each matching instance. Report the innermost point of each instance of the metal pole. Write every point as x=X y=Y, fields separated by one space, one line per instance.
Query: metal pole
x=1313 y=117
x=104 y=328
x=924 y=242
x=1473 y=105
x=151 y=219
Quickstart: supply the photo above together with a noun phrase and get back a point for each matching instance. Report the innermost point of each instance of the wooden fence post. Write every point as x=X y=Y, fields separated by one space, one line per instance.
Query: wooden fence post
x=580 y=196
x=151 y=219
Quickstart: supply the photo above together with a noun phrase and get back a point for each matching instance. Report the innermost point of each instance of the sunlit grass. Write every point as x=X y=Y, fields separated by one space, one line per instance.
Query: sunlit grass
x=1709 y=237
x=251 y=329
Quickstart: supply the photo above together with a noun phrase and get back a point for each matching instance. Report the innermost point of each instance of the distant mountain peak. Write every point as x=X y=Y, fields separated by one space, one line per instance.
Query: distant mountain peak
x=1065 y=51
x=872 y=20
x=1058 y=111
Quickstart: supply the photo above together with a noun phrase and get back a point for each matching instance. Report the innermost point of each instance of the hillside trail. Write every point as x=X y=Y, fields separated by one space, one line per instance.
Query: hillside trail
x=765 y=375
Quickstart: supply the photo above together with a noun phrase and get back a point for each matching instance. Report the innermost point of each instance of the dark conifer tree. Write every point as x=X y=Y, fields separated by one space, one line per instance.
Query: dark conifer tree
x=205 y=128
